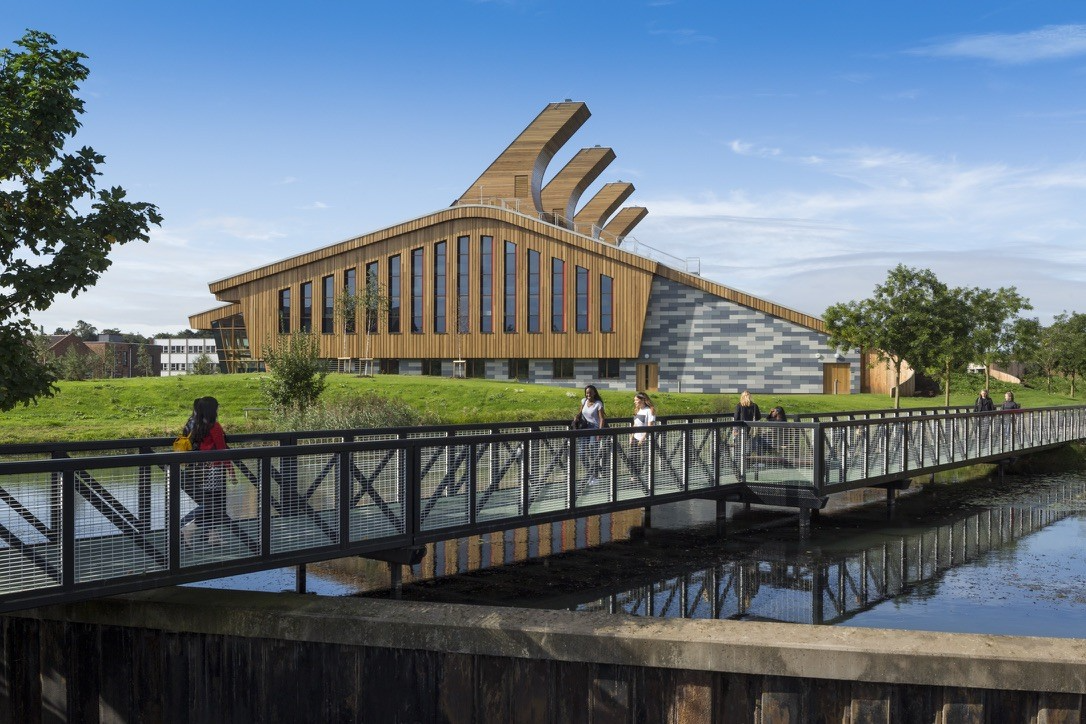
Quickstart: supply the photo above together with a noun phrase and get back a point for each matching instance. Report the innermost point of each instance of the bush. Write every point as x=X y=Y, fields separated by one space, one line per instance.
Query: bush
x=369 y=410
x=295 y=372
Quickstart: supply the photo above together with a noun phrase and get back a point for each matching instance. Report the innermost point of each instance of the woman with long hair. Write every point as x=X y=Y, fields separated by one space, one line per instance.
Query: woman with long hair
x=210 y=480
x=592 y=411
x=644 y=416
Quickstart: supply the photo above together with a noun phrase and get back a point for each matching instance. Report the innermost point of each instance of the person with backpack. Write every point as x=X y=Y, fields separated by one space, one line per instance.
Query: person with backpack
x=209 y=479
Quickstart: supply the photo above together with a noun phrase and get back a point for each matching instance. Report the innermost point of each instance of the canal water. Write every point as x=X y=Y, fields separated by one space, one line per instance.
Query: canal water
x=981 y=557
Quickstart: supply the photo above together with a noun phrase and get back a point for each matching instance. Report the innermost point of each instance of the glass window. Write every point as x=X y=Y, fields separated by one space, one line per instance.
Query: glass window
x=372 y=291
x=306 y=320
x=558 y=295
x=533 y=291
x=463 y=278
x=328 y=304
x=518 y=369
x=475 y=368
x=394 y=294
x=607 y=304
x=349 y=289
x=486 y=285
x=416 y=290
x=609 y=369
x=510 y=324
x=431 y=367
x=284 y=311
x=563 y=369
x=388 y=367
x=582 y=299
x=439 y=287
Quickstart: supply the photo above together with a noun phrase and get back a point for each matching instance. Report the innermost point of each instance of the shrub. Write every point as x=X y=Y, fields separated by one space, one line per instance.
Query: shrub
x=368 y=410
x=296 y=375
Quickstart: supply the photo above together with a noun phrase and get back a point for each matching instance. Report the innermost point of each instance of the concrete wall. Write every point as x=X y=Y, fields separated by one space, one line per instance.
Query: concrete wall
x=707 y=344
x=191 y=654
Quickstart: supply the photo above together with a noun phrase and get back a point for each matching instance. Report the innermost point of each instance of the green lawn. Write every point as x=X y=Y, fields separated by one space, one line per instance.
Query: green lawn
x=150 y=407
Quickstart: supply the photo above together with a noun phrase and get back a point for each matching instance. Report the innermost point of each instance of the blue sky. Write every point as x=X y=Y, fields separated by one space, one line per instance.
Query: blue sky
x=799 y=149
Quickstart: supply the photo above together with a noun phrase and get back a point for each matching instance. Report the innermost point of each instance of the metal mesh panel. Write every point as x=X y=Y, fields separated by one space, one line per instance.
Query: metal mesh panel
x=548 y=474
x=30 y=552
x=498 y=485
x=444 y=490
x=116 y=530
x=670 y=461
x=377 y=494
x=222 y=525
x=700 y=463
x=780 y=455
x=304 y=513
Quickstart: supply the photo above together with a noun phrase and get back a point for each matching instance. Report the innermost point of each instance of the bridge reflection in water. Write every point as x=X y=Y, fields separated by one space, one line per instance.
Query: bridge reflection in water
x=776 y=583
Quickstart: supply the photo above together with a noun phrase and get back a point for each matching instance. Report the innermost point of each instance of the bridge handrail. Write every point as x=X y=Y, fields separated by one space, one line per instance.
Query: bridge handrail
x=242 y=440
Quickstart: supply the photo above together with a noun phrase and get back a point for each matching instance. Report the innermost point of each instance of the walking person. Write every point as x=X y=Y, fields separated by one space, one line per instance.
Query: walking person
x=210 y=478
x=984 y=403
x=1009 y=403
x=594 y=417
x=644 y=416
x=747 y=409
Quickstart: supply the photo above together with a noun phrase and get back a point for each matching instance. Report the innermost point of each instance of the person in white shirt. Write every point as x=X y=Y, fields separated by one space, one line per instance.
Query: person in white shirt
x=644 y=416
x=594 y=418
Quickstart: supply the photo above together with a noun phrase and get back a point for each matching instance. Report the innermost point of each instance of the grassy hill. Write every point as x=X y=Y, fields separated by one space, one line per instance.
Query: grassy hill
x=158 y=406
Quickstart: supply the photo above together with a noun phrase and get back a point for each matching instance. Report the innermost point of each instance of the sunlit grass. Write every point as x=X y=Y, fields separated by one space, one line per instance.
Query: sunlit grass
x=158 y=406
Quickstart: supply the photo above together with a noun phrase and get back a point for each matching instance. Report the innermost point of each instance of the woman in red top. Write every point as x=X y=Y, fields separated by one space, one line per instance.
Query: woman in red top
x=210 y=490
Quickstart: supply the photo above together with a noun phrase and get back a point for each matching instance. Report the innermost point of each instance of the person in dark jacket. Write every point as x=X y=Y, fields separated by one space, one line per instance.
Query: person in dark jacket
x=984 y=403
x=1009 y=403
x=747 y=409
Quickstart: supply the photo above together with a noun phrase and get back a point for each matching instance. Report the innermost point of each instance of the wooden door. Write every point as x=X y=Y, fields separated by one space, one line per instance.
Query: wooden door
x=648 y=376
x=836 y=378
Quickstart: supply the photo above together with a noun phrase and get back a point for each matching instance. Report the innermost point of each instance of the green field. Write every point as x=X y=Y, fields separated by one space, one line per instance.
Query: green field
x=158 y=406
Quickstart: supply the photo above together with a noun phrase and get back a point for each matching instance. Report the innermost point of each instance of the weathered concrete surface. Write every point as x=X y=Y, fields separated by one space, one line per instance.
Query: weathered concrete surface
x=780 y=650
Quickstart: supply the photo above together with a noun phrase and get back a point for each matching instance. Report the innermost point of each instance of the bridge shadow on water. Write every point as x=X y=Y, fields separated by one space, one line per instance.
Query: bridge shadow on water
x=764 y=568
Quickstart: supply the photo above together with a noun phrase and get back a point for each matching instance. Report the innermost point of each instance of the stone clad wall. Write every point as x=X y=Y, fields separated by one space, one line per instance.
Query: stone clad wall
x=709 y=344
x=187 y=654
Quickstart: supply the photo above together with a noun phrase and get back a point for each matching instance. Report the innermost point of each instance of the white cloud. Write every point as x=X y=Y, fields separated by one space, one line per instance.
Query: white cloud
x=742 y=148
x=315 y=206
x=974 y=225
x=242 y=228
x=1052 y=42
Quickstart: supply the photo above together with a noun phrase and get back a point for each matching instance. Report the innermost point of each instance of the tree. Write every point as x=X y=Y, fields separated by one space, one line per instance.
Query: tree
x=1070 y=342
x=994 y=315
x=296 y=376
x=372 y=301
x=203 y=365
x=951 y=340
x=899 y=322
x=74 y=366
x=85 y=331
x=144 y=364
x=47 y=246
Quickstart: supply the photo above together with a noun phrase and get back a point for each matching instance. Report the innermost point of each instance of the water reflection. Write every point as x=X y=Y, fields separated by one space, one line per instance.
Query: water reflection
x=976 y=568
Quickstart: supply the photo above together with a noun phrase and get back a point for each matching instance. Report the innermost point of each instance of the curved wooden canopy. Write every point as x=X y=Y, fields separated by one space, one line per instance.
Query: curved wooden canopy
x=604 y=203
x=518 y=172
x=561 y=194
x=624 y=222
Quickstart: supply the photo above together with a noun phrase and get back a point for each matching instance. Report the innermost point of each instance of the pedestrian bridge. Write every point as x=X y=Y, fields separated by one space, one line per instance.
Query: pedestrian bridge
x=82 y=520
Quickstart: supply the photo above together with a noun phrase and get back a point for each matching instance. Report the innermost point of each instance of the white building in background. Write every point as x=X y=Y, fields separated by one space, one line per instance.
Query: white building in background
x=180 y=353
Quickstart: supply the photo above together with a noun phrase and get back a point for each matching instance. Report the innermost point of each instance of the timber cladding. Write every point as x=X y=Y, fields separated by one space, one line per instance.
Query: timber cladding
x=256 y=292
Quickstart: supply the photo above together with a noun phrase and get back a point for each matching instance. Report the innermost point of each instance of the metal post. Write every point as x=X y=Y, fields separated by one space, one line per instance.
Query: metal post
x=395 y=574
x=299 y=578
x=891 y=498
x=721 y=517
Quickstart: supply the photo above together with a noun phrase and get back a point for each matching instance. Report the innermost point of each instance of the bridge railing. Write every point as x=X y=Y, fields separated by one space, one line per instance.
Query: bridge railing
x=856 y=453
x=81 y=524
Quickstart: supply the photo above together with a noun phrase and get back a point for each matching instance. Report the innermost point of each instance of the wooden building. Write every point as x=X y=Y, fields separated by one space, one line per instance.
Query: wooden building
x=519 y=280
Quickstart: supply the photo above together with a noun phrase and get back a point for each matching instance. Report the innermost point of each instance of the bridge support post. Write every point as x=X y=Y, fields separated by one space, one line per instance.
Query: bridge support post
x=891 y=499
x=804 y=521
x=395 y=575
x=299 y=578
x=721 y=518
x=646 y=517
